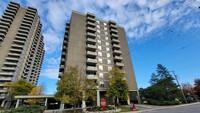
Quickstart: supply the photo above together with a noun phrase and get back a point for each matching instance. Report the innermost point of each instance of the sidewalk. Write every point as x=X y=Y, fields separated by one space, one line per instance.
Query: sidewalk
x=146 y=108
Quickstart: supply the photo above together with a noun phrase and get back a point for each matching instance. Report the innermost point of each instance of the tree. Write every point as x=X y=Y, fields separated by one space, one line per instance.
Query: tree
x=188 y=89
x=163 y=90
x=118 y=85
x=38 y=90
x=20 y=87
x=197 y=87
x=74 y=87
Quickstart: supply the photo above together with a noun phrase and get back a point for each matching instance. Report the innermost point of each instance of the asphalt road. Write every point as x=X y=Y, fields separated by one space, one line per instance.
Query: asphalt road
x=183 y=109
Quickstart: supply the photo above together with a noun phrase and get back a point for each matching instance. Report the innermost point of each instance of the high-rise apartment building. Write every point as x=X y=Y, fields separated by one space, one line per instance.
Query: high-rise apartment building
x=96 y=46
x=21 y=45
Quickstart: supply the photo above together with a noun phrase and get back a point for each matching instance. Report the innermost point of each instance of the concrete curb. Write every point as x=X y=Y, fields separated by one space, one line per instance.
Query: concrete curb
x=163 y=108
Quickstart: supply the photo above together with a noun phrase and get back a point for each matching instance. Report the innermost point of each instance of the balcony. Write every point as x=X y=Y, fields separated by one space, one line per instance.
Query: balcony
x=3 y=27
x=91 y=24
x=119 y=64
x=116 y=41
x=8 y=68
x=60 y=74
x=91 y=35
x=6 y=20
x=20 y=38
x=5 y=23
x=63 y=53
x=91 y=29
x=26 y=25
x=12 y=8
x=112 y=22
x=2 y=35
x=117 y=52
x=62 y=60
x=12 y=59
x=91 y=41
x=118 y=58
x=9 y=14
x=113 y=31
x=91 y=68
x=90 y=53
x=17 y=46
x=115 y=46
x=67 y=27
x=25 y=28
x=91 y=61
x=91 y=47
x=91 y=19
x=19 y=42
x=6 y=74
x=10 y=64
x=1 y=39
x=7 y=17
x=14 y=5
x=114 y=36
x=16 y=50
x=11 y=11
x=92 y=77
x=2 y=90
x=7 y=79
x=90 y=15
x=14 y=54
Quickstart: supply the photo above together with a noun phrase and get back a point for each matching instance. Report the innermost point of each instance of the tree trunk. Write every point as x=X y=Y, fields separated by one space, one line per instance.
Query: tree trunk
x=74 y=110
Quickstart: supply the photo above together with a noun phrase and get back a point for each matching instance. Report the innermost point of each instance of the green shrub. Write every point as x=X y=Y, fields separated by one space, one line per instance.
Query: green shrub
x=27 y=109
x=161 y=103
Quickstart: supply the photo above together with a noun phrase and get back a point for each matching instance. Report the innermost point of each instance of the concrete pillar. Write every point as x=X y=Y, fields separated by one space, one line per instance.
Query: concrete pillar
x=62 y=106
x=3 y=102
x=138 y=97
x=46 y=102
x=17 y=104
x=98 y=98
x=128 y=100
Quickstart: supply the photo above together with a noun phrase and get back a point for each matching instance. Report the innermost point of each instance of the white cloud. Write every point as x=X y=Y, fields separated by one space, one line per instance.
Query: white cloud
x=50 y=73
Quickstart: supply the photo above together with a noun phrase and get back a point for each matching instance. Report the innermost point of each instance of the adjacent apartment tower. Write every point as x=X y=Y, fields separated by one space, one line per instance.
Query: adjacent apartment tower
x=21 y=45
x=96 y=46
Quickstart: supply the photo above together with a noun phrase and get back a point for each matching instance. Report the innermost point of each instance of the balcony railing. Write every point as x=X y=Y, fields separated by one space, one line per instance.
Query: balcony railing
x=91 y=61
x=91 y=47
x=119 y=64
x=91 y=68
x=93 y=77
x=90 y=53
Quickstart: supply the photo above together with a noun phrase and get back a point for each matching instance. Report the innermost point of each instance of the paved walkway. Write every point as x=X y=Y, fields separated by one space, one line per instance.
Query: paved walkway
x=163 y=109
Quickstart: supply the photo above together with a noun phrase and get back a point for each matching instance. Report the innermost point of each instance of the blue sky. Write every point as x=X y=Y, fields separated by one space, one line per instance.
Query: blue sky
x=158 y=31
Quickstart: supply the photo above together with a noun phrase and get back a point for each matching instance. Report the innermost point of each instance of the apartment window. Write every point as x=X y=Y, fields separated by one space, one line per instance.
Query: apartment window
x=98 y=36
x=104 y=24
x=109 y=68
x=98 y=22
x=107 y=43
x=105 y=28
x=106 y=33
x=100 y=60
x=108 y=55
x=99 y=41
x=98 y=31
x=106 y=38
x=100 y=53
x=107 y=49
x=101 y=83
x=109 y=61
x=100 y=75
x=98 y=26
x=99 y=47
x=100 y=67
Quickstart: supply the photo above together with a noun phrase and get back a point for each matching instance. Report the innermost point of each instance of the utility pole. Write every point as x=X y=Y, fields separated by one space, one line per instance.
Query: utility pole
x=179 y=86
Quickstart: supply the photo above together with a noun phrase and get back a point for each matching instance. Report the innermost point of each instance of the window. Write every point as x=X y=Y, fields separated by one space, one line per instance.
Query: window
x=100 y=60
x=99 y=41
x=106 y=38
x=107 y=43
x=100 y=67
x=105 y=28
x=100 y=53
x=106 y=33
x=104 y=24
x=109 y=61
x=101 y=83
x=98 y=22
x=98 y=36
x=109 y=68
x=98 y=31
x=100 y=75
x=98 y=26
x=108 y=55
x=99 y=47
x=107 y=49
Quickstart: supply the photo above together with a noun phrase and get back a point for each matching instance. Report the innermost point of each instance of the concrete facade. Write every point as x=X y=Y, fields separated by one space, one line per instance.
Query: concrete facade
x=21 y=45
x=96 y=46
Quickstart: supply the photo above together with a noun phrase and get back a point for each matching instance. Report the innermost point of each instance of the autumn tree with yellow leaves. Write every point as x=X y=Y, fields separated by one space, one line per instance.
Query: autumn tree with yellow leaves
x=38 y=90
x=118 y=85
x=74 y=87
